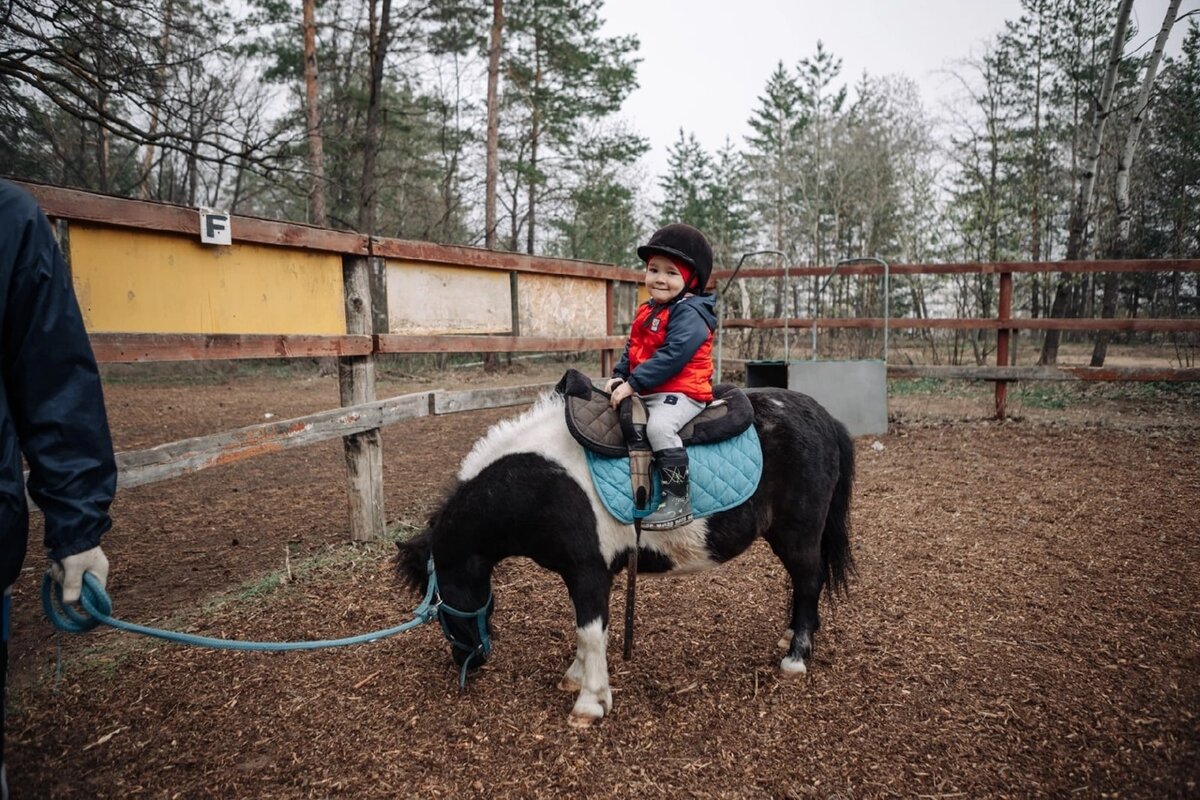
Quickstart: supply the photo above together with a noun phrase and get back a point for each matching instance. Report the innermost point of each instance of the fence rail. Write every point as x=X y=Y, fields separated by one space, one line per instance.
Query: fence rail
x=972 y=323
x=171 y=460
x=1004 y=323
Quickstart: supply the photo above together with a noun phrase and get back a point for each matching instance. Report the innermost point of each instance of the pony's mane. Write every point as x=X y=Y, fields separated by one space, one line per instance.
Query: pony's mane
x=540 y=429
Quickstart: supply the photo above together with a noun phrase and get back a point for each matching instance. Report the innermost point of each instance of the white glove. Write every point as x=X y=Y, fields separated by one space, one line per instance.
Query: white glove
x=69 y=571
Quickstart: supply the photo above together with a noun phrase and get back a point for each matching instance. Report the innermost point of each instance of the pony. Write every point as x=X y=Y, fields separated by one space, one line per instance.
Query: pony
x=524 y=490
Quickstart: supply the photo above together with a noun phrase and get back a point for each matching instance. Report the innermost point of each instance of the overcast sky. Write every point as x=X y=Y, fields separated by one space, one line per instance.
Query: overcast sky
x=705 y=62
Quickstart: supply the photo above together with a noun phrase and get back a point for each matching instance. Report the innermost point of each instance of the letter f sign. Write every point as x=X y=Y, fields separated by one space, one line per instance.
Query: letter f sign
x=214 y=227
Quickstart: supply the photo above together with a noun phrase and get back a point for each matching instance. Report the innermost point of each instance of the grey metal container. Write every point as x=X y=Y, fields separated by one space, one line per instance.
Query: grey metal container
x=853 y=391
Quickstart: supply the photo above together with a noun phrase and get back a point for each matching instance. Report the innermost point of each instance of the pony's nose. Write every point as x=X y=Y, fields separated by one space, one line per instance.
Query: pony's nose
x=476 y=657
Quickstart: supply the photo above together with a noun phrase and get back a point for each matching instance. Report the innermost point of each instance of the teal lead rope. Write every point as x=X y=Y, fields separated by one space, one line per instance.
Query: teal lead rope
x=98 y=605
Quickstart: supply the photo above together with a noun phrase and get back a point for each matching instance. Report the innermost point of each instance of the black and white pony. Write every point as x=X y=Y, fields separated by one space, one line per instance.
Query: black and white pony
x=524 y=490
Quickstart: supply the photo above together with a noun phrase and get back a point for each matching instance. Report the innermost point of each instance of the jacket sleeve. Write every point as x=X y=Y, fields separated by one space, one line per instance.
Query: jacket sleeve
x=686 y=332
x=54 y=393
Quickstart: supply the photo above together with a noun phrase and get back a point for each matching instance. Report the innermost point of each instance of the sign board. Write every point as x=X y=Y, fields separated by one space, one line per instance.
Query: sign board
x=215 y=227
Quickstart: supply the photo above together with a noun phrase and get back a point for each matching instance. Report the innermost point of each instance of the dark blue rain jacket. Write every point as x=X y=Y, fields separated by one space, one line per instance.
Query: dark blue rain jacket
x=51 y=405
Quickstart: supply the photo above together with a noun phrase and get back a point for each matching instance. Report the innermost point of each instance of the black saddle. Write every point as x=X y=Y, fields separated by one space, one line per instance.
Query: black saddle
x=599 y=428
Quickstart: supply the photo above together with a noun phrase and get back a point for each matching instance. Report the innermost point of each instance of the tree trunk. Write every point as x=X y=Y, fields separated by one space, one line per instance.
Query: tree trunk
x=312 y=110
x=534 y=133
x=156 y=104
x=1124 y=162
x=378 y=46
x=1100 y=112
x=1081 y=206
x=495 y=41
x=193 y=157
x=1035 y=215
x=102 y=146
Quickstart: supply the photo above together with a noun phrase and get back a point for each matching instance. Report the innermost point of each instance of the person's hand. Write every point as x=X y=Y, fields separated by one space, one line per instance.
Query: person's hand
x=620 y=393
x=69 y=572
x=611 y=382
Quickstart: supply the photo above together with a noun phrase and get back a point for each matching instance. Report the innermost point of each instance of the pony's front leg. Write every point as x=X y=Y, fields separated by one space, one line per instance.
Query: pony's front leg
x=589 y=672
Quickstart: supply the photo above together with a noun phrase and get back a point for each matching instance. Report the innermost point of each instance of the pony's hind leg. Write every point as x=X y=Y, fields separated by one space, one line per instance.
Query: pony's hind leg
x=806 y=591
x=803 y=563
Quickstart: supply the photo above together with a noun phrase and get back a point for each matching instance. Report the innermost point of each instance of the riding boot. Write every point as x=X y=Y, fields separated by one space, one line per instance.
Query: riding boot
x=676 y=508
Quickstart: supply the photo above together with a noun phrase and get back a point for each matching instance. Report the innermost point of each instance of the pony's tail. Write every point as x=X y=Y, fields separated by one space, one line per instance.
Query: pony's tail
x=412 y=559
x=835 y=540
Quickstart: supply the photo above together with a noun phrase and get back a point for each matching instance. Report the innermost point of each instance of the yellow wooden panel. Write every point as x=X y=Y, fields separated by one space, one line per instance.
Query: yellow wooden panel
x=428 y=299
x=551 y=305
x=145 y=282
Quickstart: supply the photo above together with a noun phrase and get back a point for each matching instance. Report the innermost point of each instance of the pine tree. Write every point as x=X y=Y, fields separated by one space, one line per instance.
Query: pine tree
x=686 y=184
x=778 y=124
x=822 y=105
x=560 y=73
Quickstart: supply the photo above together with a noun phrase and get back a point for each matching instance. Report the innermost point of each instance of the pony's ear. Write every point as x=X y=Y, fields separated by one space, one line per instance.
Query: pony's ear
x=412 y=559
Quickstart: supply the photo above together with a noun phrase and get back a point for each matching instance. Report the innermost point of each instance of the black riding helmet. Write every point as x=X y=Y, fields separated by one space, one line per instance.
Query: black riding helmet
x=687 y=244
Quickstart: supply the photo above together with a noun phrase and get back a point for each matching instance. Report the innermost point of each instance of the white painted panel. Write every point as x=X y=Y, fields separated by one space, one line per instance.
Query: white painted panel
x=427 y=299
x=550 y=305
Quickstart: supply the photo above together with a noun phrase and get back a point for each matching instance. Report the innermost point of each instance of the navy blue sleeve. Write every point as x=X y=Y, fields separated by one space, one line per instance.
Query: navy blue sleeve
x=687 y=330
x=52 y=384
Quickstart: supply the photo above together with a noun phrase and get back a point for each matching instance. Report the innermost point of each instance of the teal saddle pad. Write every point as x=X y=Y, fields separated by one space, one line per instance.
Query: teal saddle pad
x=723 y=475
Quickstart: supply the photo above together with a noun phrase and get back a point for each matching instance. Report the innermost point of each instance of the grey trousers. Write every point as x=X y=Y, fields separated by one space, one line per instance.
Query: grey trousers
x=668 y=413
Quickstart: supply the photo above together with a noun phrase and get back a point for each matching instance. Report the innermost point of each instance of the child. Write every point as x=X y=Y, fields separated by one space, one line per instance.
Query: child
x=668 y=359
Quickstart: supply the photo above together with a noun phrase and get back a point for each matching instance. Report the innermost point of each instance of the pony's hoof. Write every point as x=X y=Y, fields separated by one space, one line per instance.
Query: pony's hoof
x=570 y=685
x=582 y=721
x=785 y=641
x=791 y=667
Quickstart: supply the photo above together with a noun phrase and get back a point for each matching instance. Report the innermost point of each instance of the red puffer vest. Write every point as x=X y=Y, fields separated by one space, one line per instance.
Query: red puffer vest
x=694 y=380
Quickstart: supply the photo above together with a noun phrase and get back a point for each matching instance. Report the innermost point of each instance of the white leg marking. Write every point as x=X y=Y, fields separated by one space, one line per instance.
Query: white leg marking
x=595 y=696
x=792 y=666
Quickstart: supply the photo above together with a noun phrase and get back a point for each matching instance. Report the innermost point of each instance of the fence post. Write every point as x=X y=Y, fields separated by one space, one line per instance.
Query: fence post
x=607 y=356
x=356 y=384
x=1003 y=335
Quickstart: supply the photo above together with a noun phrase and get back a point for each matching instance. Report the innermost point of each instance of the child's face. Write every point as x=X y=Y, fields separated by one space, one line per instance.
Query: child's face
x=663 y=278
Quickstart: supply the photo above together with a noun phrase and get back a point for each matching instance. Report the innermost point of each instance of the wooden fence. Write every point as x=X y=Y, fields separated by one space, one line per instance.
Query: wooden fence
x=1005 y=324
x=151 y=292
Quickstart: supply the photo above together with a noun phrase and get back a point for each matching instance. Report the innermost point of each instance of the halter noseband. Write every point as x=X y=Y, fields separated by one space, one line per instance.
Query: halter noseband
x=484 y=648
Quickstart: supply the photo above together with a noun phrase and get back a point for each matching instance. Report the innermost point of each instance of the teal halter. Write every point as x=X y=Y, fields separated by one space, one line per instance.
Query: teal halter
x=484 y=648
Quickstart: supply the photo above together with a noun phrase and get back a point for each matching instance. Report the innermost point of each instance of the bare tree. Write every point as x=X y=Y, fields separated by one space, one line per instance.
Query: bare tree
x=109 y=68
x=379 y=31
x=316 y=145
x=495 y=41
x=157 y=99
x=1080 y=208
x=1108 y=303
